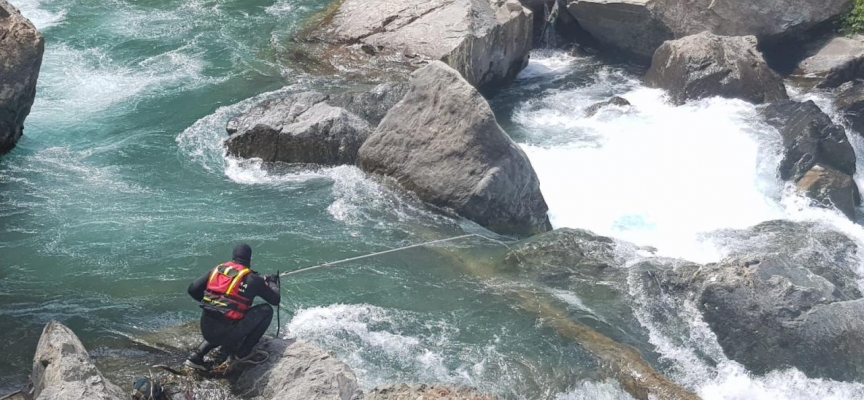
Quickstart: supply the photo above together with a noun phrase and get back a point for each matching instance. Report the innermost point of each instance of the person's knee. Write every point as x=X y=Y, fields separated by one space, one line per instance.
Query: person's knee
x=264 y=311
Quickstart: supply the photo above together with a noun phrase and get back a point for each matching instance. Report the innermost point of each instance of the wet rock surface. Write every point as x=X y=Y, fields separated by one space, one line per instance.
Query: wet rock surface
x=487 y=41
x=818 y=156
x=613 y=102
x=849 y=102
x=21 y=49
x=707 y=65
x=776 y=301
x=442 y=142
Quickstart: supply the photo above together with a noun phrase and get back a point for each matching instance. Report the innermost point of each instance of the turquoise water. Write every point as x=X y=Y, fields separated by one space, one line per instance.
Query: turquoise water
x=119 y=195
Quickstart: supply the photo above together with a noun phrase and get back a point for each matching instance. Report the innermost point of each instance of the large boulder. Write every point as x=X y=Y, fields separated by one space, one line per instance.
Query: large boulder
x=297 y=370
x=371 y=105
x=641 y=26
x=831 y=63
x=425 y=392
x=62 y=369
x=706 y=65
x=817 y=155
x=301 y=128
x=21 y=49
x=487 y=41
x=442 y=142
x=625 y=25
x=778 y=301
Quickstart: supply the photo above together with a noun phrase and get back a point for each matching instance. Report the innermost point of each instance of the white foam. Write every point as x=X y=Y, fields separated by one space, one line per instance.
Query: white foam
x=651 y=175
x=39 y=16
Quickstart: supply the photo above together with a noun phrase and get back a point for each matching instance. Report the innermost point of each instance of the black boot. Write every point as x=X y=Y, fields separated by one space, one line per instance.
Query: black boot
x=196 y=361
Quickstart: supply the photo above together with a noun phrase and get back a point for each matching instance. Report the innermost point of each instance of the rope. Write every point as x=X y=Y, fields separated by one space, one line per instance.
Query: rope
x=332 y=263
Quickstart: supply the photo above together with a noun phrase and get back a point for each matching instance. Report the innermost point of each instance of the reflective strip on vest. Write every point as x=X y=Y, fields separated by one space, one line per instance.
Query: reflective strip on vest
x=236 y=279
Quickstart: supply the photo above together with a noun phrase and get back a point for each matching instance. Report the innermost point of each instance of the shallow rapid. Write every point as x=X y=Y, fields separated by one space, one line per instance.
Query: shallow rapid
x=120 y=194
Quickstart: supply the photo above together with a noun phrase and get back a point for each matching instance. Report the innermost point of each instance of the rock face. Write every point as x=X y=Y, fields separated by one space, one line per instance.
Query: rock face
x=707 y=65
x=443 y=143
x=487 y=41
x=297 y=370
x=21 y=49
x=641 y=26
x=301 y=128
x=371 y=105
x=425 y=392
x=850 y=103
x=832 y=63
x=817 y=154
x=778 y=301
x=62 y=369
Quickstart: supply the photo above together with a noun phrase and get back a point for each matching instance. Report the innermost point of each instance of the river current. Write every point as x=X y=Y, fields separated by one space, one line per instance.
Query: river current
x=119 y=195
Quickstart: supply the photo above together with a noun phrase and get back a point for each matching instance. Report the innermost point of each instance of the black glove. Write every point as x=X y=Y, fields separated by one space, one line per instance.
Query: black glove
x=271 y=278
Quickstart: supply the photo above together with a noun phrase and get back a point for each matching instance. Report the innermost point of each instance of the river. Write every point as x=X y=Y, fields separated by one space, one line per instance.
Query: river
x=119 y=195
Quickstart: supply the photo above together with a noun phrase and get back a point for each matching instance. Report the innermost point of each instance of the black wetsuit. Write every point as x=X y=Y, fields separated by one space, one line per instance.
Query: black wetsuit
x=237 y=336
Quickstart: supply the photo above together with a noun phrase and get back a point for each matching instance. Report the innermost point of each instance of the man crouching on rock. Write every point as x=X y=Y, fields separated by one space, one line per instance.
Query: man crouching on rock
x=229 y=320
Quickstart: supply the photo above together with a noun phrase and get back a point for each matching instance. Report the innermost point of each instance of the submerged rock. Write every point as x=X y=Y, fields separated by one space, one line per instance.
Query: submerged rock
x=301 y=128
x=487 y=41
x=297 y=370
x=425 y=392
x=706 y=65
x=641 y=26
x=62 y=369
x=21 y=49
x=778 y=300
x=443 y=143
x=832 y=63
x=615 y=101
x=817 y=154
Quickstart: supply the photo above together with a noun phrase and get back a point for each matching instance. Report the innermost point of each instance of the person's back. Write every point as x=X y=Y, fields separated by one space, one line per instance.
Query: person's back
x=228 y=319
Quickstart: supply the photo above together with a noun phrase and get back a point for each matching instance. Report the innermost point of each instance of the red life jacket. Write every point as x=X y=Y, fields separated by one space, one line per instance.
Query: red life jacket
x=222 y=290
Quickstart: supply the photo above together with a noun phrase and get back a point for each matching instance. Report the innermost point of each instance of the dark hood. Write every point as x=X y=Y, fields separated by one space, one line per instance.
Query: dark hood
x=243 y=254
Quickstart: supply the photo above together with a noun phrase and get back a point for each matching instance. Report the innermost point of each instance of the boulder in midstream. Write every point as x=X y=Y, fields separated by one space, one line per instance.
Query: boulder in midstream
x=707 y=65
x=442 y=142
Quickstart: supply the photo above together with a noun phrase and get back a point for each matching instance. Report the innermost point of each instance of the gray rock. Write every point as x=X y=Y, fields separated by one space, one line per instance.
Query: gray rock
x=297 y=370
x=641 y=26
x=626 y=25
x=832 y=63
x=817 y=155
x=706 y=65
x=849 y=102
x=776 y=301
x=62 y=369
x=443 y=143
x=831 y=188
x=809 y=137
x=371 y=105
x=301 y=128
x=615 y=101
x=564 y=252
x=425 y=392
x=487 y=41
x=21 y=49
